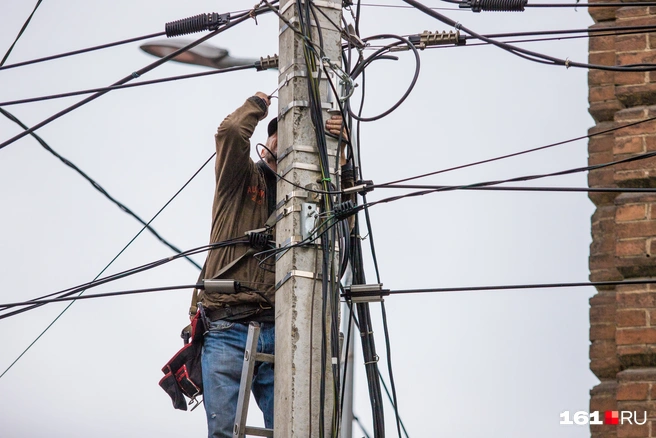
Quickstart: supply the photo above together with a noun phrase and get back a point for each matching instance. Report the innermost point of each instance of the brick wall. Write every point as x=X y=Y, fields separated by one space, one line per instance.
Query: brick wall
x=623 y=319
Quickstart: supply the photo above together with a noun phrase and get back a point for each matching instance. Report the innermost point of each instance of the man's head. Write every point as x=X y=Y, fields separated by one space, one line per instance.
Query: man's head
x=269 y=156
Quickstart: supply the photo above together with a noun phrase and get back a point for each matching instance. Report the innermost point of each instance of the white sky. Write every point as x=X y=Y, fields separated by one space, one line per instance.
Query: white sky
x=473 y=364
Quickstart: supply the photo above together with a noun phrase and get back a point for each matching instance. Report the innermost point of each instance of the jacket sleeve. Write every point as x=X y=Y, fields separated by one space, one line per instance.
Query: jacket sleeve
x=233 y=163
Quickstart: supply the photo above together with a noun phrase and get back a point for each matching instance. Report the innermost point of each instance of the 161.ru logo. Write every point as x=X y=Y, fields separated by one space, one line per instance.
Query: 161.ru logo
x=610 y=417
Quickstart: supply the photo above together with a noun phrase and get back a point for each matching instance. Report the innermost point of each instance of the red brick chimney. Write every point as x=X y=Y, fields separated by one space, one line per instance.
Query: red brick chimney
x=623 y=318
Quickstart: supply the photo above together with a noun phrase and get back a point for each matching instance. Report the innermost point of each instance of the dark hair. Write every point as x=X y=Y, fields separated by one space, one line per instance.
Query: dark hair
x=273 y=126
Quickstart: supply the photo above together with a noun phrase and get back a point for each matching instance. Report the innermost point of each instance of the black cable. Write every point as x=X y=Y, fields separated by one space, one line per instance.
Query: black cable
x=527 y=54
x=380 y=376
x=95 y=185
x=389 y=368
x=132 y=76
x=132 y=271
x=389 y=396
x=20 y=33
x=516 y=154
x=130 y=85
x=80 y=51
x=380 y=54
x=619 y=30
x=522 y=189
x=106 y=267
x=101 y=295
x=410 y=7
x=507 y=287
x=366 y=332
x=516 y=179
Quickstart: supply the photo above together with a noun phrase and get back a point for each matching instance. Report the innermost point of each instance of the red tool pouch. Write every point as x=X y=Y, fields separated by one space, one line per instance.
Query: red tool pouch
x=183 y=373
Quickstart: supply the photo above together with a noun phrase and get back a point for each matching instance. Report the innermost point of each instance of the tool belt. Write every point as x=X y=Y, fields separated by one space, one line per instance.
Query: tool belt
x=183 y=373
x=231 y=313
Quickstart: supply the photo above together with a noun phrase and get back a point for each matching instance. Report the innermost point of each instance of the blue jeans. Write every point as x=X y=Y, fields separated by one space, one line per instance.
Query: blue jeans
x=222 y=361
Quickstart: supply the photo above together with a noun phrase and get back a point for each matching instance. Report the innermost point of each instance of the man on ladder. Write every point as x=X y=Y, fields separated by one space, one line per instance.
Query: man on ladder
x=244 y=202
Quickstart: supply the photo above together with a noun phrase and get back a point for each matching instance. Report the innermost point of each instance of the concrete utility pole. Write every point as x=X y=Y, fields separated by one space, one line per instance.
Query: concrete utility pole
x=299 y=316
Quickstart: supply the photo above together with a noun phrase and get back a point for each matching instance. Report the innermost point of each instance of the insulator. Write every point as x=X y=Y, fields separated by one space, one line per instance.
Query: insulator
x=344 y=210
x=498 y=5
x=267 y=63
x=198 y=23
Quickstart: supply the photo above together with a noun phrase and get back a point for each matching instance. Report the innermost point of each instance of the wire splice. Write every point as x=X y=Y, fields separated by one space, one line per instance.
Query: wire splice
x=221 y=286
x=197 y=23
x=495 y=5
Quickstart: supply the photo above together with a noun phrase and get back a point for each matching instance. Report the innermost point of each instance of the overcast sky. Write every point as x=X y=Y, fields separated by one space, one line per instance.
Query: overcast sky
x=470 y=364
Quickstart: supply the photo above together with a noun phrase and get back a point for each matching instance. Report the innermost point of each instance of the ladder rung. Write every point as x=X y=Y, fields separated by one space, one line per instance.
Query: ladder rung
x=258 y=431
x=263 y=357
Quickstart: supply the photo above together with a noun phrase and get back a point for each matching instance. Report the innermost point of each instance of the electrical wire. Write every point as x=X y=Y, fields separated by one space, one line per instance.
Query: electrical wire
x=130 y=85
x=132 y=271
x=389 y=367
x=505 y=287
x=80 y=51
x=134 y=75
x=516 y=179
x=527 y=54
x=522 y=189
x=101 y=295
x=516 y=154
x=20 y=33
x=381 y=54
x=95 y=185
x=106 y=267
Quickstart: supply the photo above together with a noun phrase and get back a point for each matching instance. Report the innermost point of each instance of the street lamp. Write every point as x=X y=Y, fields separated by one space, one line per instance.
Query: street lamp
x=203 y=54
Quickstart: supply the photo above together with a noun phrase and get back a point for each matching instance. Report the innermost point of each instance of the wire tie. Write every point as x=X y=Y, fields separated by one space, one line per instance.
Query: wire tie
x=325 y=179
x=135 y=74
x=566 y=62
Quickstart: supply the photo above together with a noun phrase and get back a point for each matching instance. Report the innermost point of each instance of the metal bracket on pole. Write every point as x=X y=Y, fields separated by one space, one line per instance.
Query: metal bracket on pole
x=297 y=273
x=300 y=103
x=309 y=214
x=365 y=293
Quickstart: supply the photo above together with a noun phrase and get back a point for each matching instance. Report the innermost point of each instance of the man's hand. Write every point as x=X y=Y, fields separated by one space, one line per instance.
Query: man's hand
x=334 y=125
x=266 y=100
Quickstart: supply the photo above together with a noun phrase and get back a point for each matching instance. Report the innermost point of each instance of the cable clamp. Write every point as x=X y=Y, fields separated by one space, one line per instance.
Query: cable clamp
x=376 y=359
x=365 y=293
x=566 y=62
x=135 y=74
x=361 y=188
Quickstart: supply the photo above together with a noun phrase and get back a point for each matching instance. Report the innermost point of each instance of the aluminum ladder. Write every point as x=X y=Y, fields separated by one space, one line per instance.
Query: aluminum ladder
x=250 y=357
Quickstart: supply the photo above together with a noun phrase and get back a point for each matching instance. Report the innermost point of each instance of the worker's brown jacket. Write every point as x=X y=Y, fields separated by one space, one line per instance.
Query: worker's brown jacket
x=239 y=206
